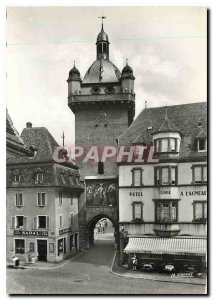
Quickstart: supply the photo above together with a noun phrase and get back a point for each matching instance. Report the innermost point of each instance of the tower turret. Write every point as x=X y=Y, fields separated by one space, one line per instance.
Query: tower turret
x=127 y=79
x=102 y=45
x=74 y=82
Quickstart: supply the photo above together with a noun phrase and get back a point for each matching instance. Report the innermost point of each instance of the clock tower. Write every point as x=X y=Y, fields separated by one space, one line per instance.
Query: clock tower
x=104 y=107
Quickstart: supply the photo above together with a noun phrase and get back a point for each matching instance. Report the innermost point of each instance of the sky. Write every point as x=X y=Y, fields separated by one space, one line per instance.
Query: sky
x=166 y=47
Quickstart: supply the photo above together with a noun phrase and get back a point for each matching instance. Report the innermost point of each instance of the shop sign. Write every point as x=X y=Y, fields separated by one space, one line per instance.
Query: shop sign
x=65 y=230
x=193 y=193
x=32 y=232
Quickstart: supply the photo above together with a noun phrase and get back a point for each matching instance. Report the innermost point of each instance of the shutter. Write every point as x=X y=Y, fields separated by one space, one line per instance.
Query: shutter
x=47 y=222
x=205 y=174
x=165 y=175
x=39 y=199
x=198 y=210
x=20 y=200
x=13 y=222
x=205 y=210
x=197 y=174
x=34 y=222
x=25 y=222
x=43 y=199
x=173 y=173
x=137 y=208
x=16 y=199
x=137 y=177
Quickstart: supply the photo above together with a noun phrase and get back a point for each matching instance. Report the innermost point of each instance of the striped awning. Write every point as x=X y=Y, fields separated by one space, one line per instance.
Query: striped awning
x=157 y=245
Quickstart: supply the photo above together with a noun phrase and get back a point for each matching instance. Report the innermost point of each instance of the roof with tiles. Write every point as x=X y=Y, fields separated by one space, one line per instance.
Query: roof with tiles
x=190 y=119
x=13 y=139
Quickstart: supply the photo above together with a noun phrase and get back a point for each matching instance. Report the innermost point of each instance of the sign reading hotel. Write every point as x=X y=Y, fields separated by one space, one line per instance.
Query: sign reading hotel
x=34 y=233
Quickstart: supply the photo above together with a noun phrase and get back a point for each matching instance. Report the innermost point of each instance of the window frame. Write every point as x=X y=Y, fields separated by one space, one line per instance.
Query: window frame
x=37 y=181
x=158 y=145
x=41 y=199
x=100 y=168
x=170 y=203
x=47 y=222
x=60 y=198
x=133 y=176
x=17 y=200
x=133 y=204
x=198 y=144
x=159 y=169
x=203 y=218
x=202 y=174
x=60 y=225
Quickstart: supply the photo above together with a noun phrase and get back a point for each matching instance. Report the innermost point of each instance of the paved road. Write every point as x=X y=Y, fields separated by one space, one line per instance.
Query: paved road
x=89 y=274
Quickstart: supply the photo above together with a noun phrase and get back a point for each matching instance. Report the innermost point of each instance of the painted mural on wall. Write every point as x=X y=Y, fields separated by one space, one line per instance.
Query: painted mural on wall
x=100 y=193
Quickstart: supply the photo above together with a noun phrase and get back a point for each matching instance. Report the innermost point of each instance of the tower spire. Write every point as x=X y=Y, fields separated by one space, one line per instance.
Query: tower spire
x=102 y=42
x=102 y=21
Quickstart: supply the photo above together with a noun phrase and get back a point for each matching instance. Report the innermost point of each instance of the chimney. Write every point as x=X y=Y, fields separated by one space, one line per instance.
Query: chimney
x=145 y=104
x=29 y=125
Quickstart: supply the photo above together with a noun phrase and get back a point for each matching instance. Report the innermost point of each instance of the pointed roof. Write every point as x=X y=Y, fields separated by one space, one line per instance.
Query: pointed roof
x=13 y=140
x=102 y=36
x=168 y=125
x=202 y=134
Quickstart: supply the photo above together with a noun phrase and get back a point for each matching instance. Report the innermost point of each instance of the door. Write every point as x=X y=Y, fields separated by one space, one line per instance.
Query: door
x=76 y=241
x=42 y=250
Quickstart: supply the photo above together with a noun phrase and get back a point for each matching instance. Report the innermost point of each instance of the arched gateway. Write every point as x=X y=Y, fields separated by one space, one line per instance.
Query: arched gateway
x=91 y=226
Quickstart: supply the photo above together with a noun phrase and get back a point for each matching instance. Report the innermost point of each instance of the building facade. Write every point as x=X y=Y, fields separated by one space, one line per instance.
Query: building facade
x=42 y=201
x=163 y=203
x=104 y=107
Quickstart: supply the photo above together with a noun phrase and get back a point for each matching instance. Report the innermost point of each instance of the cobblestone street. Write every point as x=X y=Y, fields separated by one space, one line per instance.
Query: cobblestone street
x=89 y=273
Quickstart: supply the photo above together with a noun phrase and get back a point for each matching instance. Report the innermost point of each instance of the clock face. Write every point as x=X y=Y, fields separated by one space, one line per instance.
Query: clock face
x=95 y=90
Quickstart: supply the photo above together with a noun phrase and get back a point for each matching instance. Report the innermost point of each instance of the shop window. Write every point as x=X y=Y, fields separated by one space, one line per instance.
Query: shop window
x=41 y=222
x=19 y=246
x=19 y=200
x=71 y=218
x=100 y=167
x=41 y=199
x=201 y=144
x=32 y=247
x=61 y=246
x=60 y=221
x=60 y=199
x=166 y=175
x=136 y=176
x=166 y=211
x=71 y=242
x=199 y=211
x=137 y=211
x=39 y=177
x=199 y=174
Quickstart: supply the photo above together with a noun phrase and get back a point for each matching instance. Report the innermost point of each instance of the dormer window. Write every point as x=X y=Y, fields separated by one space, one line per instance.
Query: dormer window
x=166 y=145
x=16 y=177
x=39 y=178
x=201 y=144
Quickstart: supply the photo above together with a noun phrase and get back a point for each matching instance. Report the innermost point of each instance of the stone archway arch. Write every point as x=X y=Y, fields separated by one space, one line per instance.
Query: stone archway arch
x=91 y=225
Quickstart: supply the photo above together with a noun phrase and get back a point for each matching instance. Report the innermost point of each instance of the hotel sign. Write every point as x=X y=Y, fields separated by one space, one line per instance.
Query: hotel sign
x=31 y=232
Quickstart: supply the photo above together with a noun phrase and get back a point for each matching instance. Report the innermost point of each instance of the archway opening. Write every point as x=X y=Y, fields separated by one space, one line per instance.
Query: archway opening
x=101 y=231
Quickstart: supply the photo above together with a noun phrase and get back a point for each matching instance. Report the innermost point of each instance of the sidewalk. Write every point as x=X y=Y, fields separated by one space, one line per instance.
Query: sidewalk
x=39 y=265
x=124 y=272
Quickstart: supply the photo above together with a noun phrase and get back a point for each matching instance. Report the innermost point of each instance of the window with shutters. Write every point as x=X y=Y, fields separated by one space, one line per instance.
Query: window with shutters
x=32 y=247
x=199 y=211
x=137 y=211
x=41 y=199
x=19 y=200
x=41 y=222
x=166 y=175
x=166 y=211
x=18 y=222
x=19 y=246
x=60 y=199
x=137 y=177
x=60 y=221
x=199 y=174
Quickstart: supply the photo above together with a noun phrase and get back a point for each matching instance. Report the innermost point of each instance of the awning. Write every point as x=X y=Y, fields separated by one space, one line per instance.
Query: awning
x=157 y=245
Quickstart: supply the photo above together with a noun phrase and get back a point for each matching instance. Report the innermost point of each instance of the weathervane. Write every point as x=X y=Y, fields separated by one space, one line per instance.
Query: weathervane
x=103 y=17
x=63 y=138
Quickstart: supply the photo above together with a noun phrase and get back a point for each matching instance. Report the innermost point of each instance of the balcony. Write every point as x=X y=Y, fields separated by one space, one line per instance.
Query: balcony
x=166 y=230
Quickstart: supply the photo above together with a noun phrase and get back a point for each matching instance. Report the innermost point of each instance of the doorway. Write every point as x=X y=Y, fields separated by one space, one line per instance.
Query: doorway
x=42 y=250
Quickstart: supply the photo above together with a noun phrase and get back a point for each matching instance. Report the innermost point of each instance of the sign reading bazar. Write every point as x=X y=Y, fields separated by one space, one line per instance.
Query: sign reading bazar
x=65 y=230
x=34 y=233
